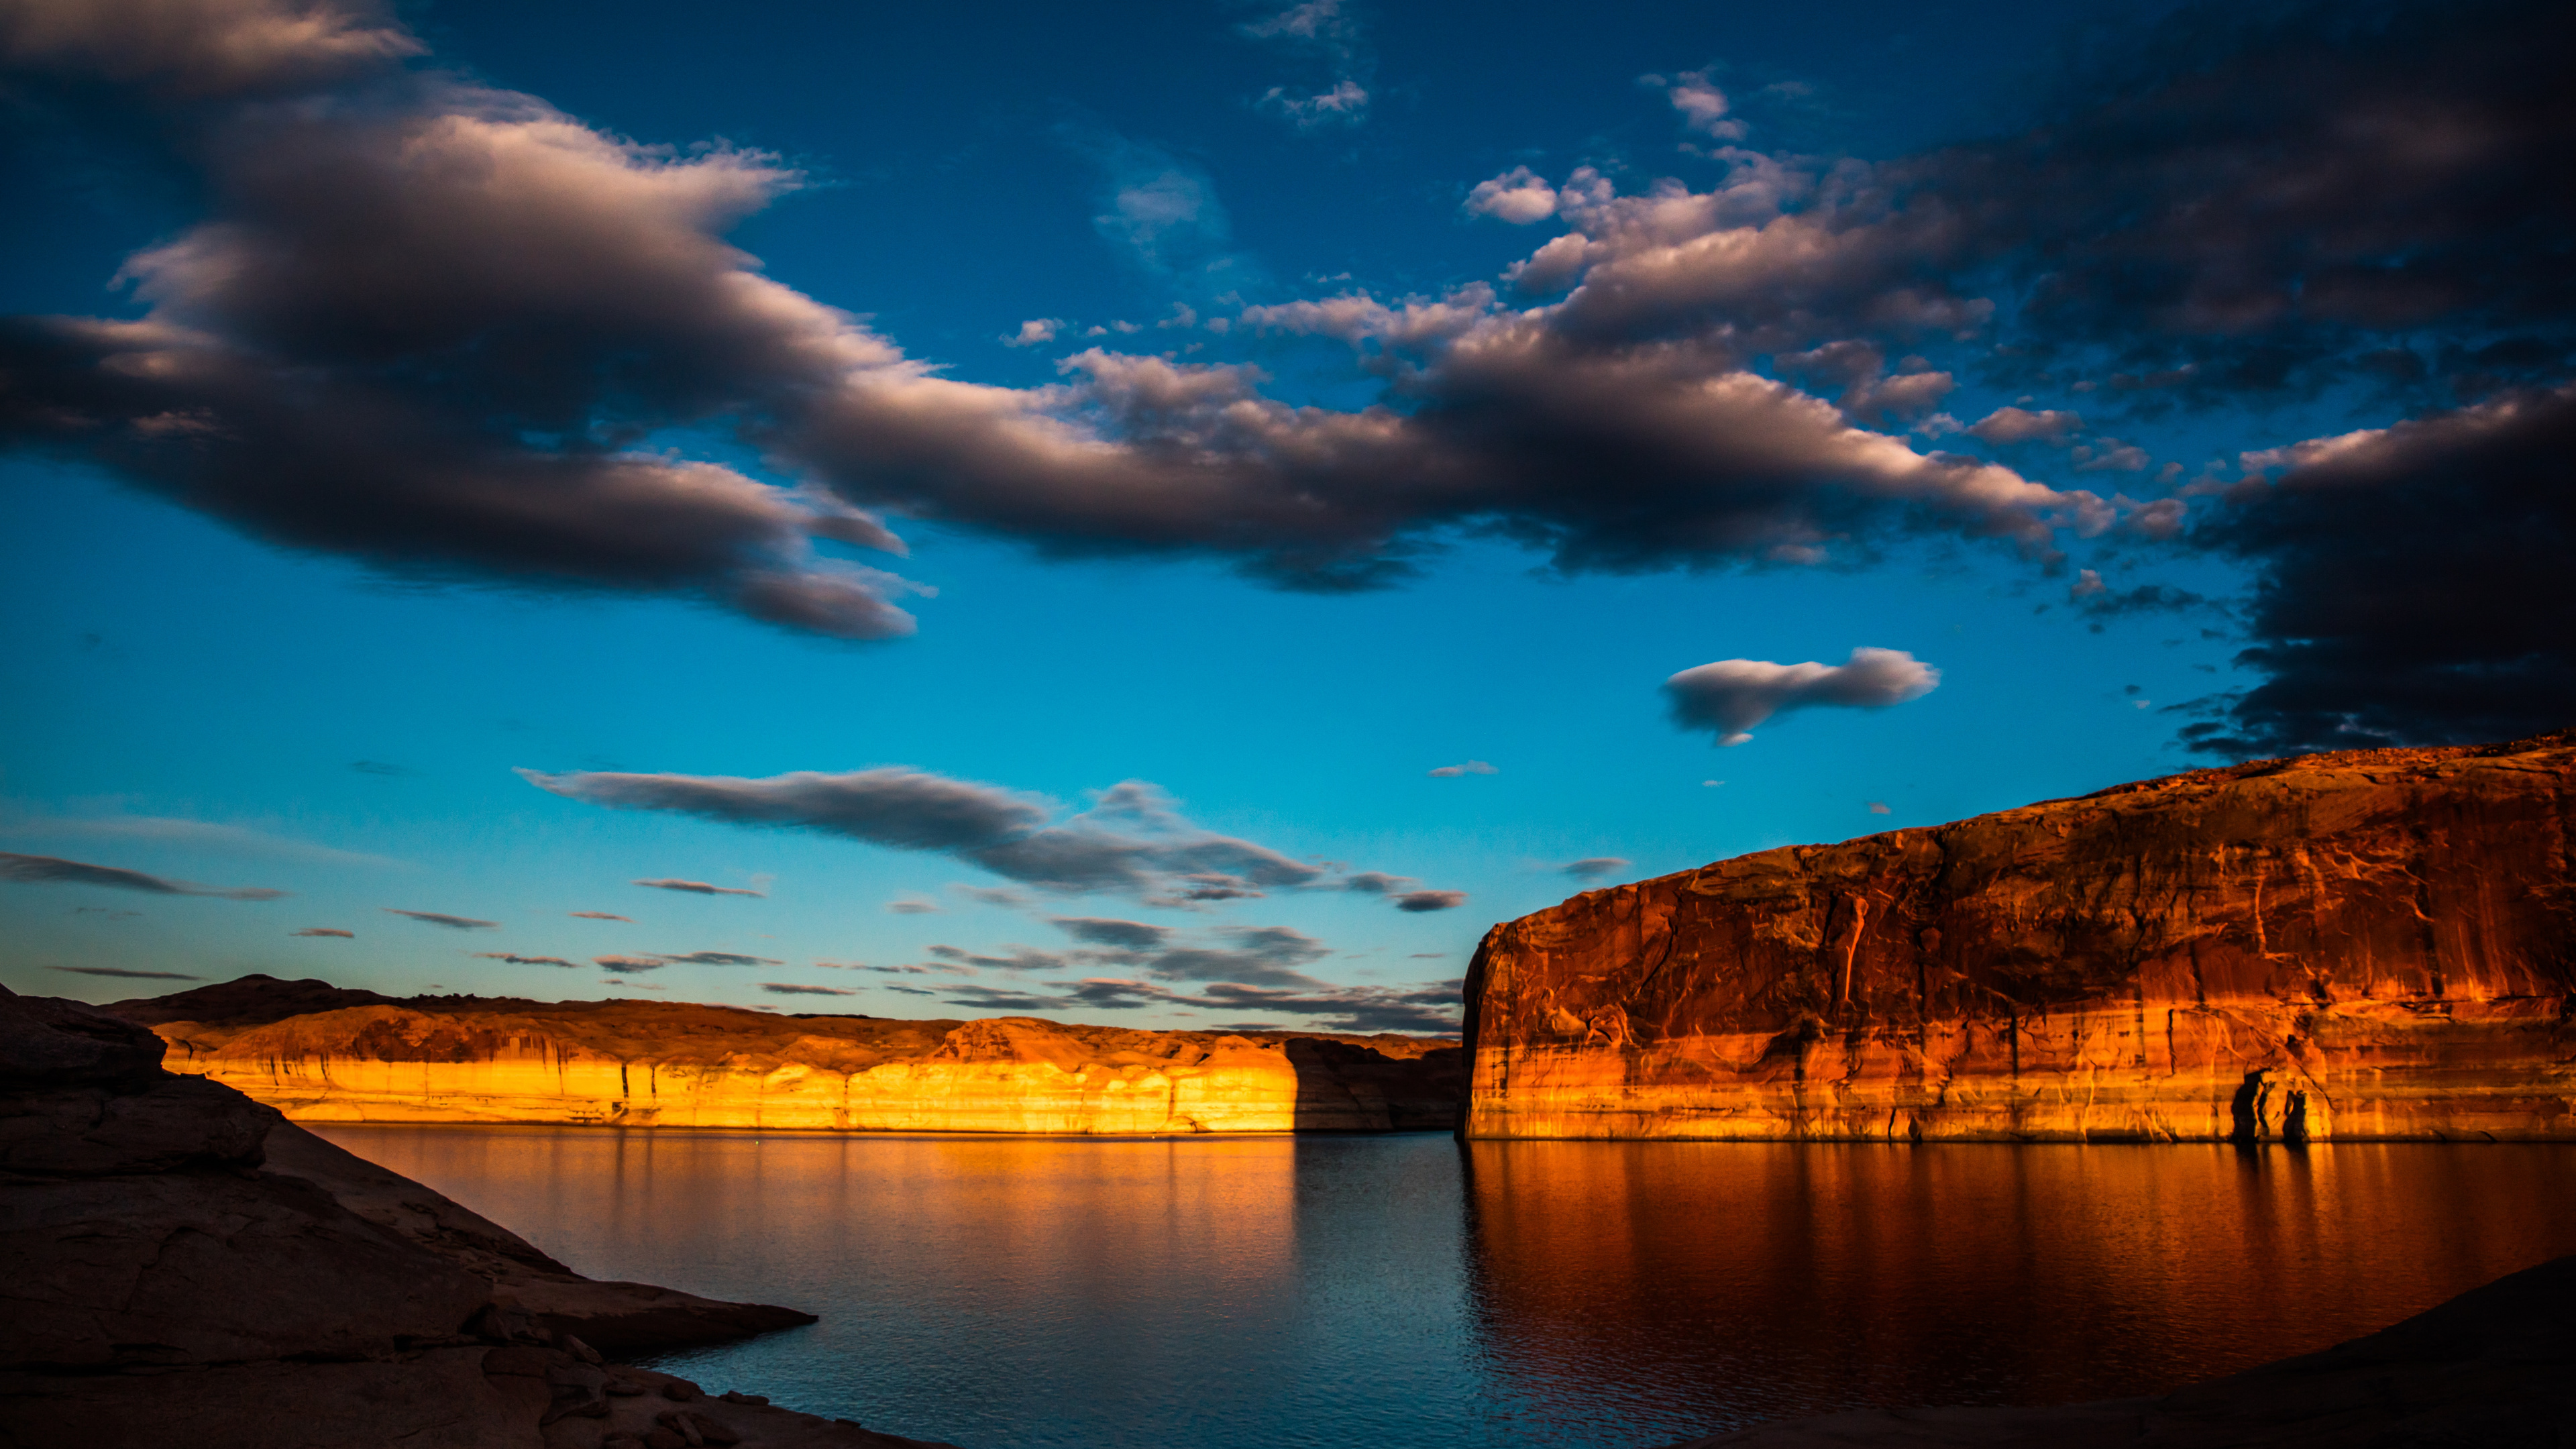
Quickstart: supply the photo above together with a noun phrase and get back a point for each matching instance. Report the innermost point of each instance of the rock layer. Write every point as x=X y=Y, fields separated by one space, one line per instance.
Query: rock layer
x=2368 y=944
x=666 y=1064
x=185 y=1267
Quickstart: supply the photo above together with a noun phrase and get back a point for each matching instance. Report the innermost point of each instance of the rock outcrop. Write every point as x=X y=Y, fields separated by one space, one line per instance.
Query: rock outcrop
x=2369 y=944
x=2490 y=1369
x=186 y=1267
x=668 y=1064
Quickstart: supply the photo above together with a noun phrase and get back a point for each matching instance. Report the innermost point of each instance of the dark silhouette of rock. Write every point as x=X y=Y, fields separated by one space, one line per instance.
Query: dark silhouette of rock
x=185 y=1267
x=2494 y=1368
x=2391 y=933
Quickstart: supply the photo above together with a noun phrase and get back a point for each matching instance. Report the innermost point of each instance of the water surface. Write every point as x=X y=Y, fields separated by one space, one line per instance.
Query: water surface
x=1211 y=1293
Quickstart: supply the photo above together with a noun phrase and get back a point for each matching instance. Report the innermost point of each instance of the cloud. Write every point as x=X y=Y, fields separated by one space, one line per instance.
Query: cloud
x=718 y=958
x=436 y=918
x=1035 y=332
x=1000 y=896
x=121 y=974
x=1429 y=1008
x=2006 y=426
x=1731 y=696
x=325 y=931
x=54 y=870
x=1104 y=931
x=1130 y=841
x=1471 y=767
x=1702 y=105
x=1162 y=214
x=697 y=887
x=599 y=916
x=2410 y=583
x=1324 y=29
x=1519 y=196
x=1594 y=867
x=207 y=835
x=1376 y=882
x=1430 y=900
x=379 y=767
x=627 y=965
x=782 y=988
x=913 y=907
x=527 y=960
x=1879 y=807
x=200 y=52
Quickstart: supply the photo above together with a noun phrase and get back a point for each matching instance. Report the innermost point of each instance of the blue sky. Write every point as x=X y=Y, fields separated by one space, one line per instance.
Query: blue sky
x=240 y=671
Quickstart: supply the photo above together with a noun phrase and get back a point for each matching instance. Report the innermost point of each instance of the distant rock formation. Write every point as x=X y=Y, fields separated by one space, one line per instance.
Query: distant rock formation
x=185 y=1267
x=306 y=1049
x=2369 y=944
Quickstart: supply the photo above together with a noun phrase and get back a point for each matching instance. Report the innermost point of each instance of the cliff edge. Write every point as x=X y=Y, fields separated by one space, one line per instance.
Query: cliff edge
x=2367 y=944
x=322 y=1054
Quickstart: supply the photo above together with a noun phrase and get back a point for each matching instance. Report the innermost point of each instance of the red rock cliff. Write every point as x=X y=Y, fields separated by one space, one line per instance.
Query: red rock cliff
x=2375 y=943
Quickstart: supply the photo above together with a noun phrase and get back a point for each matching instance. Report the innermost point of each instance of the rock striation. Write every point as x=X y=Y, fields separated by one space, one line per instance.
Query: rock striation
x=186 y=1267
x=2366 y=944
x=359 y=1057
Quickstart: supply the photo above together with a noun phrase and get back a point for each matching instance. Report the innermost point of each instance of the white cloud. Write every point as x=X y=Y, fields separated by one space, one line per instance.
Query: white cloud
x=1519 y=196
x=1471 y=767
x=1035 y=332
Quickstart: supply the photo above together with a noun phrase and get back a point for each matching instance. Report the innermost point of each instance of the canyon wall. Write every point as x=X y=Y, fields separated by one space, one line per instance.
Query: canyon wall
x=2368 y=944
x=656 y=1064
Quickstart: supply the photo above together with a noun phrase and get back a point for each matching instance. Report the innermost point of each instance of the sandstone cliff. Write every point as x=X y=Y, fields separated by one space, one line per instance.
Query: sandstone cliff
x=669 y=1064
x=185 y=1267
x=2376 y=944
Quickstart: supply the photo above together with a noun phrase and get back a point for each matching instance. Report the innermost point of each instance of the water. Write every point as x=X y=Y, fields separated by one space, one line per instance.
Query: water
x=1402 y=1291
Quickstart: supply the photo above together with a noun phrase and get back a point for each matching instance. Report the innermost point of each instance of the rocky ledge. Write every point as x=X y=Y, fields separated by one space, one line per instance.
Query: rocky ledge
x=2368 y=944
x=187 y=1267
x=322 y=1054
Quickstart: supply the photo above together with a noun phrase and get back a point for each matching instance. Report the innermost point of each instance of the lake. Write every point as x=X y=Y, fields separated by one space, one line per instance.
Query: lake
x=1406 y=1291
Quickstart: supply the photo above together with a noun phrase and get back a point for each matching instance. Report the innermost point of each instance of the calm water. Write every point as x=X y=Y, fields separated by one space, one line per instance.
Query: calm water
x=1403 y=1291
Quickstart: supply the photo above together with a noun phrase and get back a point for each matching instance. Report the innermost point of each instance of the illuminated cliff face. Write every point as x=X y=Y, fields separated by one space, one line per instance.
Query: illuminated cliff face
x=649 y=1065
x=2368 y=944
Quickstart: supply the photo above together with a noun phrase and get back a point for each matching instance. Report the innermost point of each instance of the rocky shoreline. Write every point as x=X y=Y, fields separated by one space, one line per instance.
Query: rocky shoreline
x=186 y=1267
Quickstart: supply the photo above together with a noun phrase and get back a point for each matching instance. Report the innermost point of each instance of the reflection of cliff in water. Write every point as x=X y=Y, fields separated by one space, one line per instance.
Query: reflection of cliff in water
x=1737 y=1281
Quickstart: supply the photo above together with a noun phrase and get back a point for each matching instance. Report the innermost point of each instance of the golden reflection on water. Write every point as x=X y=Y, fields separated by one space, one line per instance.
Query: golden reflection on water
x=1813 y=1276
x=1410 y=1293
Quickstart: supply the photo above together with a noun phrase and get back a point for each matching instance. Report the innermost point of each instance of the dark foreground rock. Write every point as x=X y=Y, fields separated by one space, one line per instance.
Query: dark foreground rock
x=2494 y=1368
x=180 y=1265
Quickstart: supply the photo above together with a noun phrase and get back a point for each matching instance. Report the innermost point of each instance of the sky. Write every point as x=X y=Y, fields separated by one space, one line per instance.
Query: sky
x=1185 y=515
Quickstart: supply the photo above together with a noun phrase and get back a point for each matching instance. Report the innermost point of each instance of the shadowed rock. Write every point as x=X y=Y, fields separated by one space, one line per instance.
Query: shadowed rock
x=187 y=1267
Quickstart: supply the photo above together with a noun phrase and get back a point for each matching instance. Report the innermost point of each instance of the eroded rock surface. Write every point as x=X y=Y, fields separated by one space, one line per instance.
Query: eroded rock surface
x=181 y=1266
x=671 y=1064
x=2371 y=944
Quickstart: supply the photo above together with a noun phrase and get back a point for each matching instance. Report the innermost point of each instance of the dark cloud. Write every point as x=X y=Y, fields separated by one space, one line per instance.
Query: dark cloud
x=1432 y=1008
x=1376 y=882
x=436 y=918
x=909 y=990
x=782 y=988
x=716 y=958
x=54 y=870
x=1020 y=959
x=1594 y=867
x=121 y=974
x=697 y=887
x=527 y=960
x=2411 y=584
x=599 y=916
x=913 y=907
x=1104 y=931
x=1130 y=841
x=1731 y=696
x=1000 y=896
x=1430 y=900
x=326 y=931
x=627 y=965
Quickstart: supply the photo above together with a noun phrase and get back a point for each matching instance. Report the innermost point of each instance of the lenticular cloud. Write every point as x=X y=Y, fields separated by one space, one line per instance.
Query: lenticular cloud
x=1731 y=696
